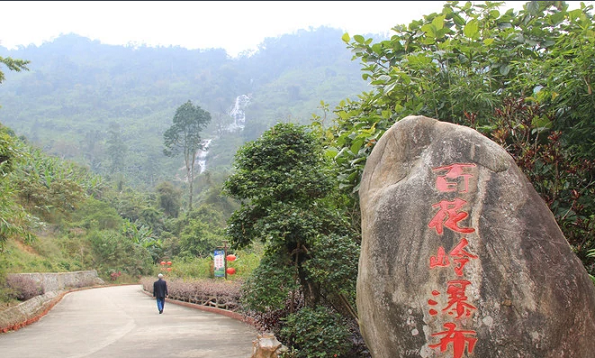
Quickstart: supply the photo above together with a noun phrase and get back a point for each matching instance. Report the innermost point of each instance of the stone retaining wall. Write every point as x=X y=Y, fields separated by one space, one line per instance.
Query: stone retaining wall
x=28 y=312
x=55 y=286
x=63 y=280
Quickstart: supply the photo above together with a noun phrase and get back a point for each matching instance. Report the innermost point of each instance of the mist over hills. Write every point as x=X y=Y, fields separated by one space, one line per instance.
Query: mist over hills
x=89 y=102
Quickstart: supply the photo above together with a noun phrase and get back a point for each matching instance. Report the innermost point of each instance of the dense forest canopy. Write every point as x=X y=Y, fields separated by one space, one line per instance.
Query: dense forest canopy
x=76 y=89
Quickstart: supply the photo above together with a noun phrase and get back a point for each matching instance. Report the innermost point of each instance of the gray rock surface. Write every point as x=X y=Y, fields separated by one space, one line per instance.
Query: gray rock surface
x=461 y=257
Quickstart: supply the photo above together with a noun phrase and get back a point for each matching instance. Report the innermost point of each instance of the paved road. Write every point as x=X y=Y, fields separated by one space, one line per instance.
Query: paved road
x=123 y=322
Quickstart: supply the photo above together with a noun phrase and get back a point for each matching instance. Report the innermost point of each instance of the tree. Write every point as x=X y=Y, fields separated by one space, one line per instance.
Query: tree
x=168 y=198
x=13 y=65
x=13 y=219
x=116 y=149
x=184 y=136
x=200 y=234
x=523 y=79
x=11 y=213
x=283 y=182
x=6 y=151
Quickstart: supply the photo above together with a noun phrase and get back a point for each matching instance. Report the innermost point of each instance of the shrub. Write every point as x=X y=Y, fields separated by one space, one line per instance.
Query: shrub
x=23 y=287
x=316 y=332
x=190 y=268
x=208 y=292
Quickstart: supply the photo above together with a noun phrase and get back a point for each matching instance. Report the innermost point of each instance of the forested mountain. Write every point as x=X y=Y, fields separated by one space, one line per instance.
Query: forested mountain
x=108 y=106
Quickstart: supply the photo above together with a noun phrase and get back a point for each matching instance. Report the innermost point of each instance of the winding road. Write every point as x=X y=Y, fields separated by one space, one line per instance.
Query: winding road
x=123 y=322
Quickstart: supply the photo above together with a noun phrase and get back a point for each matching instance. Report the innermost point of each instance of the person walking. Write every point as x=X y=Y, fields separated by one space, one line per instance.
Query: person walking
x=160 y=292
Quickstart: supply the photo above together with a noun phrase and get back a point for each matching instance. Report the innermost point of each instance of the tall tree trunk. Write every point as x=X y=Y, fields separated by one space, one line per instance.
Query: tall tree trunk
x=191 y=177
x=191 y=182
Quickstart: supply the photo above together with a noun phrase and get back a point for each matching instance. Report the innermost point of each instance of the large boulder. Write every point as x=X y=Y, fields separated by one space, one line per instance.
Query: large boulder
x=461 y=257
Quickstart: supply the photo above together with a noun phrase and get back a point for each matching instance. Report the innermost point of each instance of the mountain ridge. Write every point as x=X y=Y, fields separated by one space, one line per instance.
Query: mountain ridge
x=80 y=93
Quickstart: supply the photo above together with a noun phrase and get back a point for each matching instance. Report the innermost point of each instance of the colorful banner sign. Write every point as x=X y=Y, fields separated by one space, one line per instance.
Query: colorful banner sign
x=219 y=263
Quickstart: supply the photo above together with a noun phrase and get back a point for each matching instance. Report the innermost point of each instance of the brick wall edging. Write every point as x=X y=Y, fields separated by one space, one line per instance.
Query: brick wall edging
x=22 y=315
x=55 y=286
x=230 y=314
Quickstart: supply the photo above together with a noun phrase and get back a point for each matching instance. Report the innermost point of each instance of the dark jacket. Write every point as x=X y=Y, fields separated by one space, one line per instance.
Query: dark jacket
x=160 y=288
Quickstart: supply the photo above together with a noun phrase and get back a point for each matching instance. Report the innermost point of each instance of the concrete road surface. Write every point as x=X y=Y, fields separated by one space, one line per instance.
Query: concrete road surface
x=123 y=322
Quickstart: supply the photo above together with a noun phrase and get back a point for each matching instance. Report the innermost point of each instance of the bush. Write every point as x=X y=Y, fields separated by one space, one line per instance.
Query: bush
x=316 y=332
x=269 y=286
x=208 y=292
x=23 y=288
x=191 y=268
x=112 y=251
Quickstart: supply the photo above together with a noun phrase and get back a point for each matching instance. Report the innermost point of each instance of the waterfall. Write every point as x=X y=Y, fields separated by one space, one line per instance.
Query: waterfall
x=201 y=156
x=238 y=114
x=239 y=122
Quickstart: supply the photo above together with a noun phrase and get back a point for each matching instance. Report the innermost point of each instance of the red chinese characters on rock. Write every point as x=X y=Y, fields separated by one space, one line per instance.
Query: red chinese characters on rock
x=458 y=338
x=453 y=171
x=450 y=214
x=458 y=254
x=457 y=299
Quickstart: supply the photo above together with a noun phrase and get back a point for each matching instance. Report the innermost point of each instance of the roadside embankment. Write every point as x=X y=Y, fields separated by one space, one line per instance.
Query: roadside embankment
x=55 y=286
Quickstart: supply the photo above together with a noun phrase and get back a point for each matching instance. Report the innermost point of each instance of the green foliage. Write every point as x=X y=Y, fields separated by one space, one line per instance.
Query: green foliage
x=169 y=199
x=184 y=136
x=133 y=205
x=210 y=188
x=334 y=267
x=42 y=255
x=49 y=186
x=280 y=177
x=188 y=267
x=316 y=332
x=523 y=79
x=143 y=236
x=14 y=220
x=563 y=177
x=96 y=214
x=13 y=65
x=10 y=151
x=199 y=238
x=270 y=284
x=116 y=149
x=78 y=86
x=6 y=293
x=197 y=232
x=113 y=251
x=284 y=185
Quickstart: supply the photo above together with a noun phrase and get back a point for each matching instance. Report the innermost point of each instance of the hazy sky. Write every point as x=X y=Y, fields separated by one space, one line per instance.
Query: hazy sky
x=233 y=25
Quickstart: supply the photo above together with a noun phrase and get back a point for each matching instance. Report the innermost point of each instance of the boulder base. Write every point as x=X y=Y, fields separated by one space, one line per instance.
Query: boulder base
x=266 y=346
